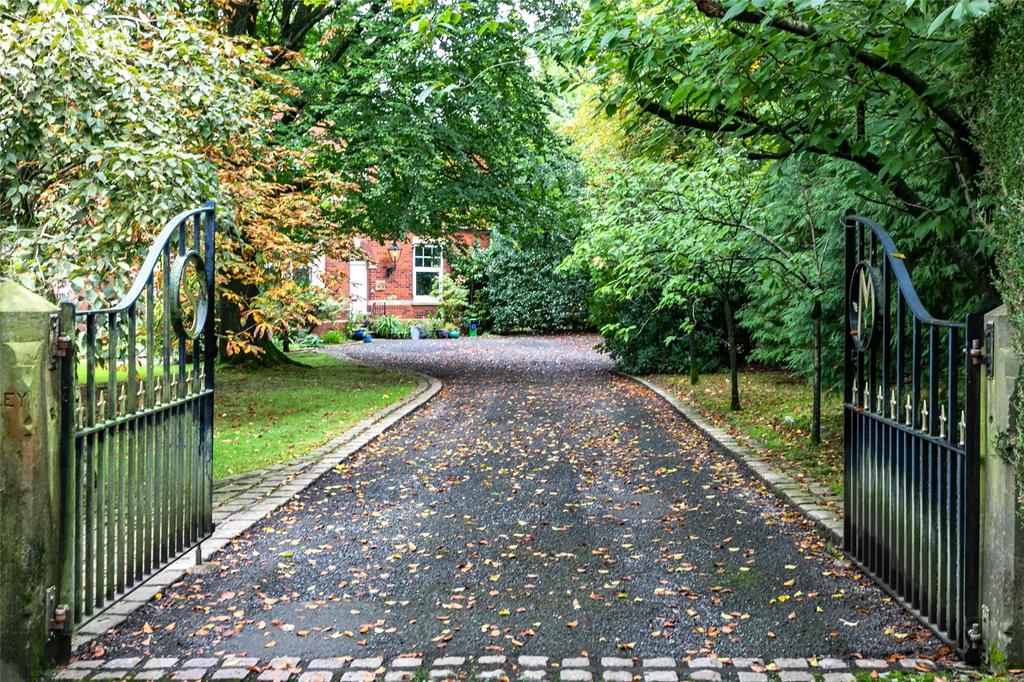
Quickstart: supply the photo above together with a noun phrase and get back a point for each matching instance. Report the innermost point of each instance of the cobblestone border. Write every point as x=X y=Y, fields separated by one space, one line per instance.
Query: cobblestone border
x=372 y=668
x=264 y=495
x=813 y=506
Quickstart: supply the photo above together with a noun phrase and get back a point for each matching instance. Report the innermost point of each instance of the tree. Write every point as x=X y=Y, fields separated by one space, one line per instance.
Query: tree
x=798 y=261
x=651 y=247
x=513 y=284
x=876 y=85
x=714 y=200
x=106 y=121
x=402 y=130
x=430 y=129
x=278 y=229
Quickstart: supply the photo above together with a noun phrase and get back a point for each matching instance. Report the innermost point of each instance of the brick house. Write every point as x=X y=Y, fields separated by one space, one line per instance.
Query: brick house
x=396 y=278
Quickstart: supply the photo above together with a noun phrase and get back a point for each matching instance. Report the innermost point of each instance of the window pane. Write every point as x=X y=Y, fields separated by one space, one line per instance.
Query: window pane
x=425 y=283
x=427 y=256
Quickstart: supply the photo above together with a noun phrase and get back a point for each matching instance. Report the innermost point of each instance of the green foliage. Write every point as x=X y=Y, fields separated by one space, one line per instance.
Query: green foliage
x=356 y=321
x=437 y=129
x=452 y=298
x=389 y=327
x=470 y=268
x=106 y=121
x=999 y=63
x=428 y=328
x=523 y=291
x=645 y=350
x=307 y=340
x=666 y=236
x=331 y=337
x=881 y=87
x=799 y=260
x=512 y=285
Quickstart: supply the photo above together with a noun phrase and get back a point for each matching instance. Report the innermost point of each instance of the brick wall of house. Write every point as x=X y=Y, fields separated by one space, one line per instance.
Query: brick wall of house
x=392 y=293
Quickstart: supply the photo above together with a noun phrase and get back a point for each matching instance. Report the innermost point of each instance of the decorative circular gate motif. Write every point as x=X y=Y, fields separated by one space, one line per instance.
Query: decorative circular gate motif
x=189 y=297
x=863 y=313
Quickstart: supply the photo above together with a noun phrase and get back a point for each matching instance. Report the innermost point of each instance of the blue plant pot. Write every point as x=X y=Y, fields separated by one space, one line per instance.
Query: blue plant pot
x=453 y=334
x=359 y=334
x=367 y=338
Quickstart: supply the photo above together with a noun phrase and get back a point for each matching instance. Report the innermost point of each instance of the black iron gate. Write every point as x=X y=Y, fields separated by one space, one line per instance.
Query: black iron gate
x=137 y=422
x=911 y=426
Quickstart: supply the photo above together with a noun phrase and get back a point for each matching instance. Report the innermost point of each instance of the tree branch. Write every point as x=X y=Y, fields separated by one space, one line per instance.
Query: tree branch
x=961 y=128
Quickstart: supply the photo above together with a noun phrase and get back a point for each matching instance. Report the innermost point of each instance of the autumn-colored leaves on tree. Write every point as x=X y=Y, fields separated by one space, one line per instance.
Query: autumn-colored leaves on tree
x=307 y=124
x=166 y=114
x=280 y=229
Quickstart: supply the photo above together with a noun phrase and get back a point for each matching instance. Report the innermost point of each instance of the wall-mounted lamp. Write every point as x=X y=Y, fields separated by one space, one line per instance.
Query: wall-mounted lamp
x=394 y=251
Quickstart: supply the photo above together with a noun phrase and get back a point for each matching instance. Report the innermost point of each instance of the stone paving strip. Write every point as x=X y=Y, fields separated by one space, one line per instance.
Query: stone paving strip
x=496 y=667
x=816 y=502
x=241 y=501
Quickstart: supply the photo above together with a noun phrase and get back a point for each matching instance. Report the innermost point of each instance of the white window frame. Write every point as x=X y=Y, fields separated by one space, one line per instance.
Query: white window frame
x=426 y=298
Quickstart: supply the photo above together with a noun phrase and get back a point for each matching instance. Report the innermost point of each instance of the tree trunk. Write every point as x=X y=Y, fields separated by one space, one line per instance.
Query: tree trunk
x=816 y=404
x=231 y=322
x=694 y=375
x=734 y=378
x=242 y=18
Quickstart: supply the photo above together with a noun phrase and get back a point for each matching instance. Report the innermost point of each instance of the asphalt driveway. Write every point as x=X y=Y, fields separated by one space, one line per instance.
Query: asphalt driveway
x=538 y=504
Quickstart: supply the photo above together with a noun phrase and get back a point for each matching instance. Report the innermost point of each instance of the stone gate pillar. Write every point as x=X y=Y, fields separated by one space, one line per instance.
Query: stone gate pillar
x=29 y=480
x=1002 y=516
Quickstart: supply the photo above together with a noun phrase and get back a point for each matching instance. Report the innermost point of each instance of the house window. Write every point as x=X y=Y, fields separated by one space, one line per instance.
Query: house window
x=426 y=271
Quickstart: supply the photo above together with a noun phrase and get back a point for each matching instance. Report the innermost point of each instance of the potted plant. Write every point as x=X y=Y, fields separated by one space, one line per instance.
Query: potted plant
x=357 y=325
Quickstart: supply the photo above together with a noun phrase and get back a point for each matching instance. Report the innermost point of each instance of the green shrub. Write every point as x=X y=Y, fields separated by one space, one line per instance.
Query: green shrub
x=427 y=327
x=513 y=286
x=389 y=327
x=452 y=297
x=999 y=64
x=331 y=336
x=525 y=292
x=307 y=340
x=639 y=347
x=471 y=270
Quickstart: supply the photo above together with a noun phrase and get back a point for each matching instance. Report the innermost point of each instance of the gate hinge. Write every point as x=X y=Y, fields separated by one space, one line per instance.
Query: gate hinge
x=56 y=614
x=61 y=348
x=972 y=655
x=982 y=355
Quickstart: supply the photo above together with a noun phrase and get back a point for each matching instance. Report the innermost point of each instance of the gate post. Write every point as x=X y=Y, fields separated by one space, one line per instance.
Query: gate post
x=1002 y=522
x=29 y=481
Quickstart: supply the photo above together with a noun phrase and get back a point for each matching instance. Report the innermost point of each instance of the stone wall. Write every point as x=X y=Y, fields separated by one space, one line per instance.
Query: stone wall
x=1002 y=522
x=29 y=480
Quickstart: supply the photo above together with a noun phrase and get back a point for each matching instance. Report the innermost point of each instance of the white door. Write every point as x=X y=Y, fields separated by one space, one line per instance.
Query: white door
x=357 y=286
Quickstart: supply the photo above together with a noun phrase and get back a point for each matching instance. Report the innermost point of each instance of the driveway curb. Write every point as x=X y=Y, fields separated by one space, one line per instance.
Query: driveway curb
x=782 y=484
x=278 y=491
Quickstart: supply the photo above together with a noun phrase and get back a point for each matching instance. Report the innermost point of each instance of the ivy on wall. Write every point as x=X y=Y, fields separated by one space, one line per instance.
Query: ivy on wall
x=999 y=57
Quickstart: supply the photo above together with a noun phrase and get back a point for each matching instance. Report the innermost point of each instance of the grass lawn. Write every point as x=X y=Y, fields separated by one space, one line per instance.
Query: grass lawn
x=101 y=374
x=272 y=415
x=777 y=414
